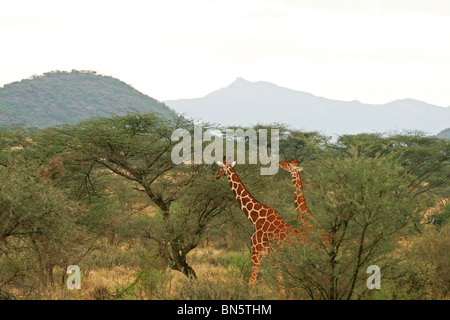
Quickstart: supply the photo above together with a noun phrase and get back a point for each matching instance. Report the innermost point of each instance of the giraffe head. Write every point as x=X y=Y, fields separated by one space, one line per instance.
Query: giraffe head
x=290 y=166
x=223 y=167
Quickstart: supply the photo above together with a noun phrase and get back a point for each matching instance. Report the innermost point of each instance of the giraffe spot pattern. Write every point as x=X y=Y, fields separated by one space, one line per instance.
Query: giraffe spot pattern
x=269 y=226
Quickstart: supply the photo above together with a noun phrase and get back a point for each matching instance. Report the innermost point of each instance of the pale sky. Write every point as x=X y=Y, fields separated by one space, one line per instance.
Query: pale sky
x=375 y=51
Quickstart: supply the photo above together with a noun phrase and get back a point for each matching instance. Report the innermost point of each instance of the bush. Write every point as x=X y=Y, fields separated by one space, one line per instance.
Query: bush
x=151 y=281
x=443 y=217
x=240 y=263
x=39 y=231
x=212 y=286
x=362 y=203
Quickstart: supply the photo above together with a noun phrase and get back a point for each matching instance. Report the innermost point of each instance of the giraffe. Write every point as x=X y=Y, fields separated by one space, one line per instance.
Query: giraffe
x=269 y=227
x=303 y=212
x=304 y=215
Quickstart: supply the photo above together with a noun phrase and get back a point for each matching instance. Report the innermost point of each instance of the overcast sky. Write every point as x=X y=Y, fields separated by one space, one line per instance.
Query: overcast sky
x=374 y=51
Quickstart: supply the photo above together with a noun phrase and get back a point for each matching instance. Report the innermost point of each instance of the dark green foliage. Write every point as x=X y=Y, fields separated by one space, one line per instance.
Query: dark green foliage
x=365 y=202
x=40 y=229
x=67 y=97
x=422 y=272
x=137 y=148
x=442 y=218
x=426 y=158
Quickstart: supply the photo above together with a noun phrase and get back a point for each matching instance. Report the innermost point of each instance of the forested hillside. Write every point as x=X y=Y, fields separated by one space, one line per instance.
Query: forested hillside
x=68 y=97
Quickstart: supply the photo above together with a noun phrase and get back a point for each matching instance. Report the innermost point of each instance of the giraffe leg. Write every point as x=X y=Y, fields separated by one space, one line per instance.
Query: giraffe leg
x=257 y=254
x=256 y=259
x=280 y=280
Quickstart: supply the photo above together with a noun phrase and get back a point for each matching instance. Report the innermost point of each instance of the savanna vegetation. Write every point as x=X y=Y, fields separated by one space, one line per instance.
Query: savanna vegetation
x=104 y=194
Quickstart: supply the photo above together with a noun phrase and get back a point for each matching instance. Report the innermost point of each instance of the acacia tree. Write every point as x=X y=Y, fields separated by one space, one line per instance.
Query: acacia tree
x=301 y=145
x=364 y=204
x=40 y=230
x=425 y=157
x=137 y=147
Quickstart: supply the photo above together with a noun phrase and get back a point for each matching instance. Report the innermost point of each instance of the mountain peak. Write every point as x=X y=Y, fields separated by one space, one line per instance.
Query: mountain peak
x=239 y=82
x=249 y=102
x=240 y=79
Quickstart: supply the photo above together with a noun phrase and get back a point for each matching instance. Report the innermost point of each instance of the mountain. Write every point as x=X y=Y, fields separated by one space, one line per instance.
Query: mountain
x=445 y=134
x=67 y=97
x=245 y=103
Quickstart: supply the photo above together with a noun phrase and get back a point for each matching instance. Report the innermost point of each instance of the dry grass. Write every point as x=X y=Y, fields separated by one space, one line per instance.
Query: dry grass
x=101 y=284
x=436 y=209
x=221 y=274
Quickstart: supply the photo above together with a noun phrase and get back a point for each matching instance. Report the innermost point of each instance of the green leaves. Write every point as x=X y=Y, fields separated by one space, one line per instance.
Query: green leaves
x=38 y=221
x=69 y=97
x=365 y=196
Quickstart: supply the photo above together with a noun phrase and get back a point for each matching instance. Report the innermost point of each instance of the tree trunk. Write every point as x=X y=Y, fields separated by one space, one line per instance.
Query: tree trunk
x=180 y=264
x=176 y=254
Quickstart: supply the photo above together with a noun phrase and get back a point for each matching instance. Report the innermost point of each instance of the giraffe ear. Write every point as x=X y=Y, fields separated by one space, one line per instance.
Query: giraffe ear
x=220 y=164
x=233 y=163
x=299 y=169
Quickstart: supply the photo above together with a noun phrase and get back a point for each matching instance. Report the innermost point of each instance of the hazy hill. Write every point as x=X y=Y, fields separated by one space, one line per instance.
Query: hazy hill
x=68 y=97
x=245 y=102
x=444 y=134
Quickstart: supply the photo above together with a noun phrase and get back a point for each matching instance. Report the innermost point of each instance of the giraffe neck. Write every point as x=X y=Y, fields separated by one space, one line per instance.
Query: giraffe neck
x=300 y=202
x=249 y=205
